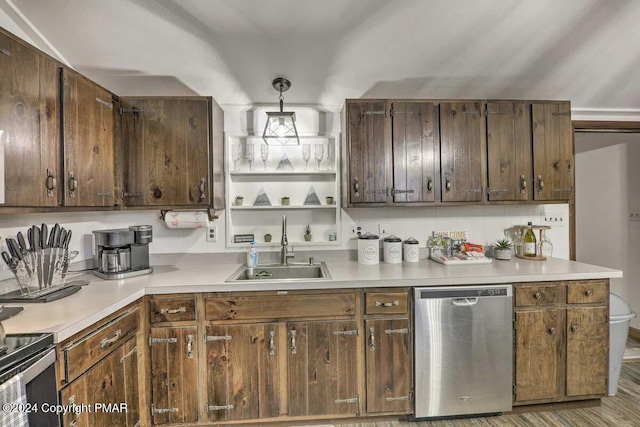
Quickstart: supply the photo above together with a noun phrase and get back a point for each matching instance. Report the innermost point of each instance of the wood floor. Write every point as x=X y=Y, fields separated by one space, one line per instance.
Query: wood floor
x=621 y=410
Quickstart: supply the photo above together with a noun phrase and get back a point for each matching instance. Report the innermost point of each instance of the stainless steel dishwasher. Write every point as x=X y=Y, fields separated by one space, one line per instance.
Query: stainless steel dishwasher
x=463 y=350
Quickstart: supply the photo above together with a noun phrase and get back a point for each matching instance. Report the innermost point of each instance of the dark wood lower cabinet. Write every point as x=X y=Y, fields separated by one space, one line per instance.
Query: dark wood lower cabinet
x=388 y=366
x=174 y=379
x=243 y=377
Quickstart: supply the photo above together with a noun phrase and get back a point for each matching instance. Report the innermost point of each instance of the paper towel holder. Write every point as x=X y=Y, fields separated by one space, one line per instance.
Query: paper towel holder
x=210 y=212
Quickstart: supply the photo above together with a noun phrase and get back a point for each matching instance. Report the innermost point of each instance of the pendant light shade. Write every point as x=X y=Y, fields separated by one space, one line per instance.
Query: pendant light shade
x=281 y=125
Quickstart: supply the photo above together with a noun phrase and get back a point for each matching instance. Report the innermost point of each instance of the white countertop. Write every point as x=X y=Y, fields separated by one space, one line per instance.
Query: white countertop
x=100 y=298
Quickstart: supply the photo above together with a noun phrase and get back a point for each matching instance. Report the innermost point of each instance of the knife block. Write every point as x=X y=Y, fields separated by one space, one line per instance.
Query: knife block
x=43 y=271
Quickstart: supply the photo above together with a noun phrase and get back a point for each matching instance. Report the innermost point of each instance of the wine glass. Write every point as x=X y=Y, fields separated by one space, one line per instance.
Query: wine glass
x=264 y=153
x=318 y=154
x=236 y=154
x=331 y=155
x=306 y=154
x=250 y=154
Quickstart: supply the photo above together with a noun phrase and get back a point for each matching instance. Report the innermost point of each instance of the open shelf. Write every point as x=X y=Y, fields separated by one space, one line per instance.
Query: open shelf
x=283 y=207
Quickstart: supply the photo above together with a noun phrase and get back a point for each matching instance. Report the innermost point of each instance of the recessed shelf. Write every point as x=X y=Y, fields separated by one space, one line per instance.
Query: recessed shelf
x=274 y=244
x=294 y=172
x=283 y=207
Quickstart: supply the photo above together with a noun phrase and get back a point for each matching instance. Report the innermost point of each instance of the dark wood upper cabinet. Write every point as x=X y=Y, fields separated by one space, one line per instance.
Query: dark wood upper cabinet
x=368 y=152
x=462 y=154
x=416 y=152
x=89 y=162
x=553 y=157
x=509 y=151
x=29 y=120
x=167 y=151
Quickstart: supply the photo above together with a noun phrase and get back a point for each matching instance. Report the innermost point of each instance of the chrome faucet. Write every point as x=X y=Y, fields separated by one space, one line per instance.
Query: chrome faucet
x=284 y=242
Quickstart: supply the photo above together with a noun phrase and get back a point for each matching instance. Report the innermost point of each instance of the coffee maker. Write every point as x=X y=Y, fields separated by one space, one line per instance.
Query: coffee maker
x=122 y=253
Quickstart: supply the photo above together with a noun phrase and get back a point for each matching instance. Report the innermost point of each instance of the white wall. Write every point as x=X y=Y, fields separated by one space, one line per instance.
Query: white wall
x=607 y=177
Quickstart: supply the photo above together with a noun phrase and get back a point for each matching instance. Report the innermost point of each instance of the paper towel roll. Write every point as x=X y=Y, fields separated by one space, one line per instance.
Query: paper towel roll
x=175 y=219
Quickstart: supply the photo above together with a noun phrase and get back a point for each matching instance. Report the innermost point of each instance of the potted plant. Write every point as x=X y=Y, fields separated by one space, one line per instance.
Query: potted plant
x=267 y=237
x=239 y=200
x=307 y=233
x=502 y=249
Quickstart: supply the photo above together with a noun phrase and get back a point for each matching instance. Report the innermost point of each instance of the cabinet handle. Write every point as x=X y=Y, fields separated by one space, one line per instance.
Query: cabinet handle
x=73 y=184
x=157 y=193
x=552 y=331
x=589 y=292
x=447 y=186
x=272 y=347
x=356 y=187
x=574 y=328
x=50 y=183
x=108 y=341
x=537 y=295
x=523 y=183
x=540 y=184
x=202 y=188
x=387 y=304
x=190 y=346
x=173 y=311
x=429 y=185
x=372 y=339
x=128 y=355
x=76 y=414
x=292 y=346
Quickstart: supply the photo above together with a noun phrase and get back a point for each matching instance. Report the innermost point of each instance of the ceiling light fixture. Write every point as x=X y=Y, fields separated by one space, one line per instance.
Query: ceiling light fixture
x=281 y=125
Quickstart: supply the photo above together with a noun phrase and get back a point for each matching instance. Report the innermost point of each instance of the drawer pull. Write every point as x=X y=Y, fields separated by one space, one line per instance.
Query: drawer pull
x=272 y=347
x=108 y=341
x=387 y=304
x=589 y=292
x=351 y=400
x=155 y=411
x=537 y=295
x=126 y=356
x=397 y=331
x=173 y=311
x=293 y=346
x=397 y=399
x=340 y=333
x=211 y=408
x=209 y=338
x=162 y=340
x=552 y=331
x=372 y=339
x=190 y=346
x=574 y=328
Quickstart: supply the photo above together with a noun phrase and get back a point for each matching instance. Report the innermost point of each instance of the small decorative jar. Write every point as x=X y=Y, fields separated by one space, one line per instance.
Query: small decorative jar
x=392 y=250
x=285 y=201
x=267 y=237
x=411 y=250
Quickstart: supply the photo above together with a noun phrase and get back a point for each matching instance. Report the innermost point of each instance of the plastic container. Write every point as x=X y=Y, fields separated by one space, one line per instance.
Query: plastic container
x=252 y=256
x=620 y=316
x=368 y=247
x=392 y=250
x=411 y=250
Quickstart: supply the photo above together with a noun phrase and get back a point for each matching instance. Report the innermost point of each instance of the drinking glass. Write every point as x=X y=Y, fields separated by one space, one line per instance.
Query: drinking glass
x=318 y=154
x=306 y=154
x=331 y=155
x=236 y=154
x=250 y=154
x=264 y=153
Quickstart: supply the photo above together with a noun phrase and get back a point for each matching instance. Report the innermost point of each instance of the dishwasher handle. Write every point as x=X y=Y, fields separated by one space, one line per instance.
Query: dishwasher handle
x=464 y=302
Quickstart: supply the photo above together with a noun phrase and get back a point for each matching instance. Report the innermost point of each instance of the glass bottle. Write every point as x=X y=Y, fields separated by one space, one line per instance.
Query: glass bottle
x=529 y=242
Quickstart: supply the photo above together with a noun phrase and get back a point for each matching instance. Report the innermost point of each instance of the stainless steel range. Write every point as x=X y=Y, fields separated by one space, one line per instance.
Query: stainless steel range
x=463 y=350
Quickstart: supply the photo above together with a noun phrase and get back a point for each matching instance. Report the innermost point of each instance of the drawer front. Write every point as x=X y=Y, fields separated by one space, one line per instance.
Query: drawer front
x=386 y=303
x=87 y=351
x=172 y=310
x=280 y=306
x=534 y=294
x=587 y=292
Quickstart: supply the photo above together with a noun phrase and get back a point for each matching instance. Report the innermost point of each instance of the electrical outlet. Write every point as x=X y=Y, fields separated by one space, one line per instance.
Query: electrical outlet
x=554 y=219
x=212 y=233
x=383 y=229
x=355 y=229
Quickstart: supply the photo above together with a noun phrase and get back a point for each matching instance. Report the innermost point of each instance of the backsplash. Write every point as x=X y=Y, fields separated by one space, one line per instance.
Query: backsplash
x=485 y=224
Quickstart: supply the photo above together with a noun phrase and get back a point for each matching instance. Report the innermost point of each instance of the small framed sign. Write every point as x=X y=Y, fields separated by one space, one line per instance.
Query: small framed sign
x=243 y=238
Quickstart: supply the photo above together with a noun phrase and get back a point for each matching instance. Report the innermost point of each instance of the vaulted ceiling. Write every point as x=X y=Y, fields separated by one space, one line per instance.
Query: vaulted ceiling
x=587 y=51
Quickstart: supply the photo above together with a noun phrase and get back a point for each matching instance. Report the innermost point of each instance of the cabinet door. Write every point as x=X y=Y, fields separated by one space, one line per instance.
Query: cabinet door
x=174 y=380
x=89 y=162
x=553 y=157
x=416 y=151
x=462 y=154
x=322 y=368
x=107 y=393
x=29 y=125
x=587 y=351
x=540 y=354
x=368 y=152
x=243 y=380
x=166 y=144
x=509 y=151
x=388 y=362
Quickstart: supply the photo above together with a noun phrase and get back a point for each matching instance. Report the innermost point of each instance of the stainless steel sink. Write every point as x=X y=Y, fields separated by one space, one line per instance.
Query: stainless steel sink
x=286 y=273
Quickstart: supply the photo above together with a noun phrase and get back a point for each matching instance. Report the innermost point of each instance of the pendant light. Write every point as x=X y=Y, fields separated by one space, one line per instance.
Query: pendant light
x=281 y=125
